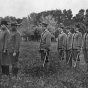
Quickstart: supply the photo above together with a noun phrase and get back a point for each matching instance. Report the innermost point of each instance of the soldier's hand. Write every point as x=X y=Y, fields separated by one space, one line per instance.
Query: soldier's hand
x=4 y=51
x=14 y=54
x=45 y=50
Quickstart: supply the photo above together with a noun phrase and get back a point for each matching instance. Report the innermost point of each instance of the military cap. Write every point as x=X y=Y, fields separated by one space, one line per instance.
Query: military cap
x=14 y=24
x=3 y=22
x=77 y=25
x=61 y=25
x=44 y=24
x=67 y=27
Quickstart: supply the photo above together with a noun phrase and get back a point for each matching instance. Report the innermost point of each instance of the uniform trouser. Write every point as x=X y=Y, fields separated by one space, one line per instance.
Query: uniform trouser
x=61 y=54
x=5 y=70
x=14 y=61
x=69 y=57
x=43 y=54
x=75 y=55
x=86 y=55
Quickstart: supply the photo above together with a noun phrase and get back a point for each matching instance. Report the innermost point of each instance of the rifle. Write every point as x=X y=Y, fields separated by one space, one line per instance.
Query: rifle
x=45 y=59
x=77 y=59
x=69 y=57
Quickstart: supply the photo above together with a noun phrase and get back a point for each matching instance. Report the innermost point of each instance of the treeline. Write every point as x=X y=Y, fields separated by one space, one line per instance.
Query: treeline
x=31 y=28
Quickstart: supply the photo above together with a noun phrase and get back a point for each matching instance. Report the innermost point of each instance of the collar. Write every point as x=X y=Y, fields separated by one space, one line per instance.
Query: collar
x=69 y=33
x=77 y=31
x=61 y=32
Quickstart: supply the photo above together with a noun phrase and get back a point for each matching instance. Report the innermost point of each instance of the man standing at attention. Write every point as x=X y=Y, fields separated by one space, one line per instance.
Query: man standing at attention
x=4 y=36
x=76 y=44
x=45 y=44
x=61 y=47
x=69 y=46
x=14 y=46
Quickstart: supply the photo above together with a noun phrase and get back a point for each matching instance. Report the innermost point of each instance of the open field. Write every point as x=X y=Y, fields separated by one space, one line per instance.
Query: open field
x=32 y=75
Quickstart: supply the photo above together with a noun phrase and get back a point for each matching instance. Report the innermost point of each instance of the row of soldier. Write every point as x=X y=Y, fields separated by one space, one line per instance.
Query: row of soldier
x=69 y=44
x=9 y=47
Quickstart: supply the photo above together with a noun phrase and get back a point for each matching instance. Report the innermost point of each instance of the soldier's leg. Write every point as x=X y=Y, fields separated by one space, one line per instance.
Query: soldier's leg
x=75 y=57
x=47 y=63
x=67 y=56
x=15 y=65
x=86 y=57
x=75 y=53
x=61 y=54
x=14 y=69
x=42 y=55
x=70 y=58
x=0 y=63
x=5 y=70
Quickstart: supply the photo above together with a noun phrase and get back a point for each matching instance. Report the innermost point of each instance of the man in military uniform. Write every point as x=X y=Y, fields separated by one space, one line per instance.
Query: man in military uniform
x=61 y=43
x=4 y=36
x=14 y=46
x=85 y=46
x=76 y=44
x=68 y=46
x=45 y=44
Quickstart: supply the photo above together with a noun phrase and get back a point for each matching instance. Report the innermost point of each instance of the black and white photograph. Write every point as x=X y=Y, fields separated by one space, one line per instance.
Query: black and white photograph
x=43 y=43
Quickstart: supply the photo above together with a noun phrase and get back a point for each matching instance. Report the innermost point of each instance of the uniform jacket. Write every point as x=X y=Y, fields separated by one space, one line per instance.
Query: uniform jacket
x=45 y=42
x=85 y=41
x=14 y=42
x=4 y=36
x=62 y=40
x=69 y=41
x=77 y=40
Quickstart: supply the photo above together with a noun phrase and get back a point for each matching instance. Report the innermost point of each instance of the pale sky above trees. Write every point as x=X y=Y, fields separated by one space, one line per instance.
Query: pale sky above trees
x=22 y=8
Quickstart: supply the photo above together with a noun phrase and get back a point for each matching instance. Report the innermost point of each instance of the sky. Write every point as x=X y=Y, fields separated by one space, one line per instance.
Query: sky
x=22 y=8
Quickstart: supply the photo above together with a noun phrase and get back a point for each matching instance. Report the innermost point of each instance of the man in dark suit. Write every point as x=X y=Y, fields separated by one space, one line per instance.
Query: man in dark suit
x=14 y=46
x=4 y=36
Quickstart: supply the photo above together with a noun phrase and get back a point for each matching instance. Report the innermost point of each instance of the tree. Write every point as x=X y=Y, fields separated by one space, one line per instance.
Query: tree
x=80 y=16
x=51 y=22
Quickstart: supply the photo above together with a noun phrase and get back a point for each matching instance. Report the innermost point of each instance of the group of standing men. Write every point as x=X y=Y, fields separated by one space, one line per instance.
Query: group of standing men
x=9 y=47
x=69 y=46
x=70 y=43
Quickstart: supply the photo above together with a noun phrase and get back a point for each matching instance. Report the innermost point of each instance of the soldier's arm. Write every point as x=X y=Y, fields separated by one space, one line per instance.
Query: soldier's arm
x=48 y=41
x=83 y=41
x=64 y=41
x=6 y=40
x=71 y=40
x=58 y=42
x=79 y=40
x=18 y=41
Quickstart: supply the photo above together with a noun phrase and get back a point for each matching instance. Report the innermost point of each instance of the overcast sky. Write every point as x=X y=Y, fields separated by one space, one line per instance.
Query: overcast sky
x=22 y=8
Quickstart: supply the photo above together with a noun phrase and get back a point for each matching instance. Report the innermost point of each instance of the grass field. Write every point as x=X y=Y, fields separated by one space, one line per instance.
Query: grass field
x=32 y=75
